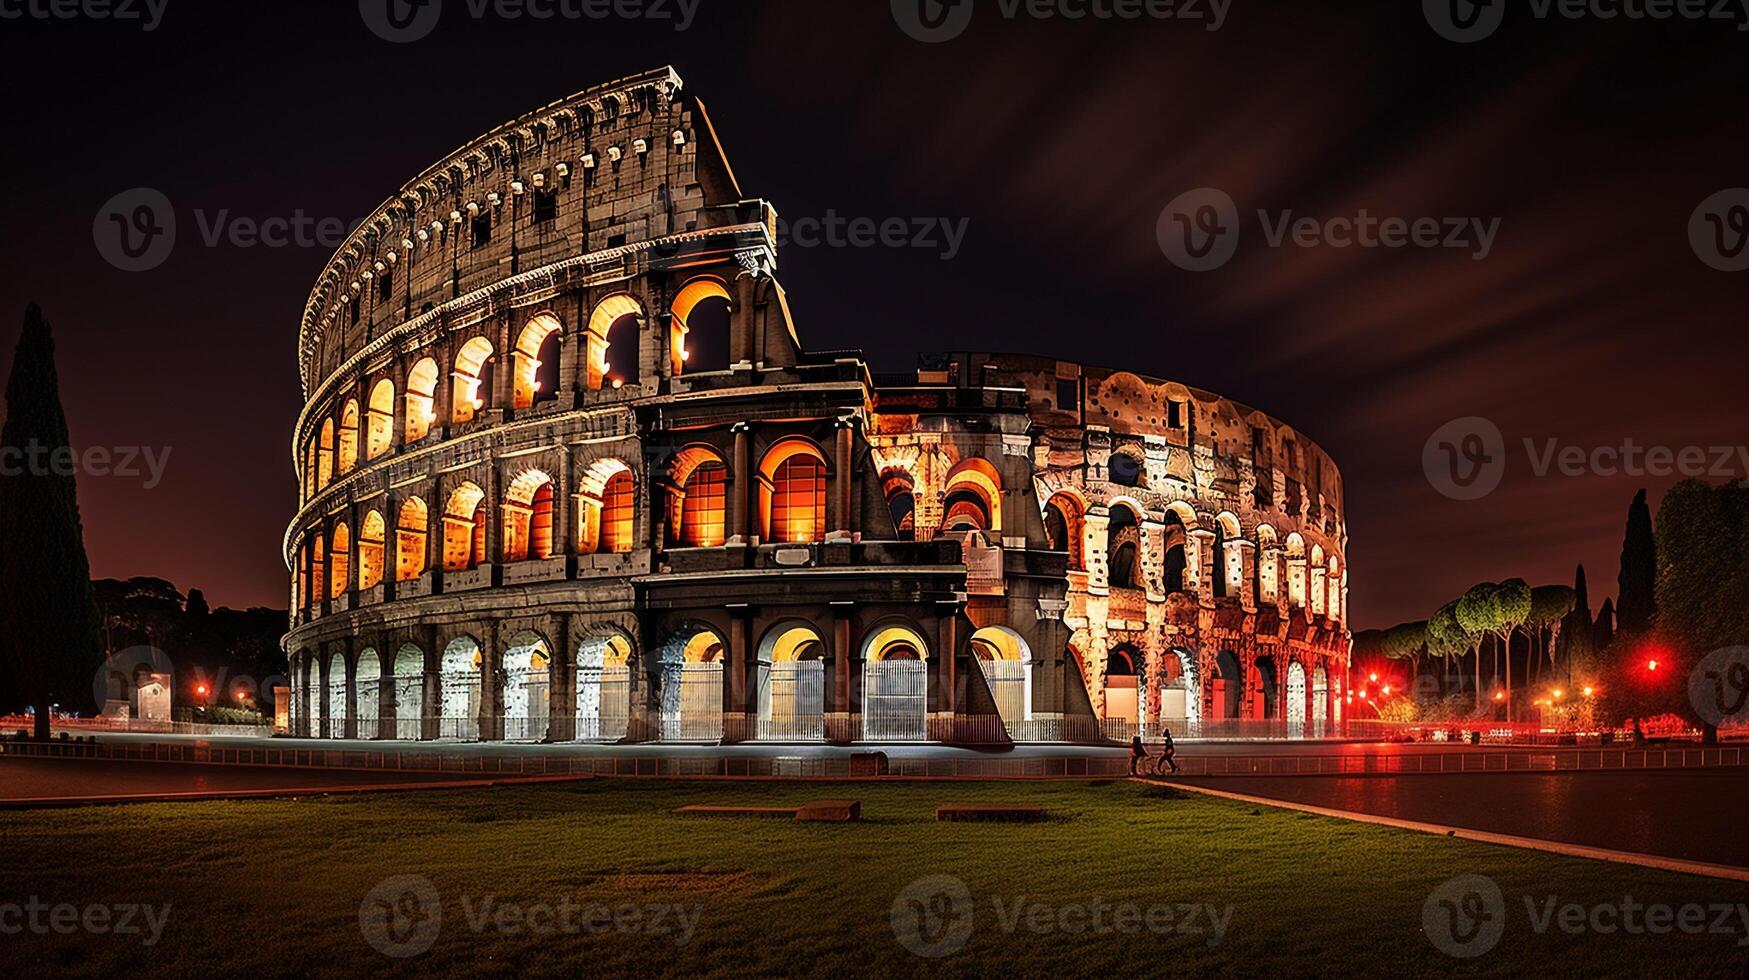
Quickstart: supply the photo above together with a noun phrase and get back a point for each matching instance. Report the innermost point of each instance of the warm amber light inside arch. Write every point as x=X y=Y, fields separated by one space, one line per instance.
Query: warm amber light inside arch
x=897 y=642
x=370 y=551
x=379 y=427
x=410 y=533
x=421 y=399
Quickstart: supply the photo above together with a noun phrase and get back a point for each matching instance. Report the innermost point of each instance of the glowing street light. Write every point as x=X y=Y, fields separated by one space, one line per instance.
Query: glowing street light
x=1586 y=692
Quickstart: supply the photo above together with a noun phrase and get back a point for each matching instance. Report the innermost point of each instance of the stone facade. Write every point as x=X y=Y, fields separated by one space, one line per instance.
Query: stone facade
x=567 y=472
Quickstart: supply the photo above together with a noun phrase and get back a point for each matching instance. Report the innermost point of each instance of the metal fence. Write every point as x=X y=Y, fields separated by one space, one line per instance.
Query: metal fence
x=692 y=702
x=603 y=703
x=792 y=701
x=1007 y=683
x=895 y=701
x=459 y=706
x=526 y=706
x=410 y=707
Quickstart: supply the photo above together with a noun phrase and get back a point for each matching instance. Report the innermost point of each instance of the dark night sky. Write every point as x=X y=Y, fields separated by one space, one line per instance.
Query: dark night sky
x=1591 y=322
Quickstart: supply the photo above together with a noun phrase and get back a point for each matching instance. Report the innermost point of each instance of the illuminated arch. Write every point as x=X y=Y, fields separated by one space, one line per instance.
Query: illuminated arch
x=1065 y=527
x=895 y=643
x=318 y=567
x=528 y=517
x=379 y=435
x=792 y=492
x=367 y=691
x=900 y=489
x=421 y=400
x=472 y=380
x=460 y=670
x=712 y=352
x=699 y=510
x=1123 y=550
x=526 y=706
x=605 y=367
x=325 y=455
x=602 y=687
x=1296 y=571
x=972 y=497
x=409 y=692
x=337 y=695
x=606 y=508
x=464 y=529
x=1230 y=572
x=410 y=537
x=537 y=361
x=348 y=459
x=339 y=561
x=370 y=551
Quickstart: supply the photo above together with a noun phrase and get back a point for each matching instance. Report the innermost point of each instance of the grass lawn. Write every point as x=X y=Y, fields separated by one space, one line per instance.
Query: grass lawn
x=266 y=888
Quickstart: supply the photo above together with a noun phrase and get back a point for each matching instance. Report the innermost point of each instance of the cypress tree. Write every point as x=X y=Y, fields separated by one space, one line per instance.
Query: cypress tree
x=1637 y=601
x=48 y=618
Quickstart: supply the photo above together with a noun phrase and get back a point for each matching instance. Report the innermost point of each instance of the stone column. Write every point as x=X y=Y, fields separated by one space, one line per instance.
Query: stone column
x=1200 y=564
x=843 y=484
x=1247 y=573
x=740 y=523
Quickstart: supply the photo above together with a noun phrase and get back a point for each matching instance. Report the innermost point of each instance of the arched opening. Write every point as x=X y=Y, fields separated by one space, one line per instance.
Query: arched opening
x=370 y=551
x=340 y=562
x=1123 y=544
x=1180 y=694
x=1006 y=662
x=1320 y=702
x=367 y=686
x=464 y=529
x=1296 y=700
x=1317 y=572
x=527 y=683
x=606 y=509
x=1268 y=574
x=410 y=531
x=792 y=493
x=1126 y=469
x=791 y=691
x=1123 y=670
x=614 y=328
x=473 y=381
x=318 y=567
x=537 y=362
x=1063 y=528
x=698 y=335
x=379 y=429
x=895 y=686
x=528 y=518
x=1296 y=571
x=315 y=697
x=1333 y=582
x=337 y=696
x=348 y=437
x=972 y=497
x=1229 y=557
x=900 y=491
x=692 y=685
x=459 y=680
x=310 y=486
x=1265 y=681
x=325 y=455
x=409 y=692
x=1174 y=538
x=604 y=688
x=421 y=400
x=1229 y=686
x=702 y=504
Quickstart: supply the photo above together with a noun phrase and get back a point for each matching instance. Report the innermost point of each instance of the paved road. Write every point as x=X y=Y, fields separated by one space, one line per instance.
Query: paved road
x=1695 y=815
x=28 y=779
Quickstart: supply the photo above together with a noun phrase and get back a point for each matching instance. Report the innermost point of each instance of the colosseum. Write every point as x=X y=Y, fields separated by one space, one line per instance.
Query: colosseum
x=568 y=474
